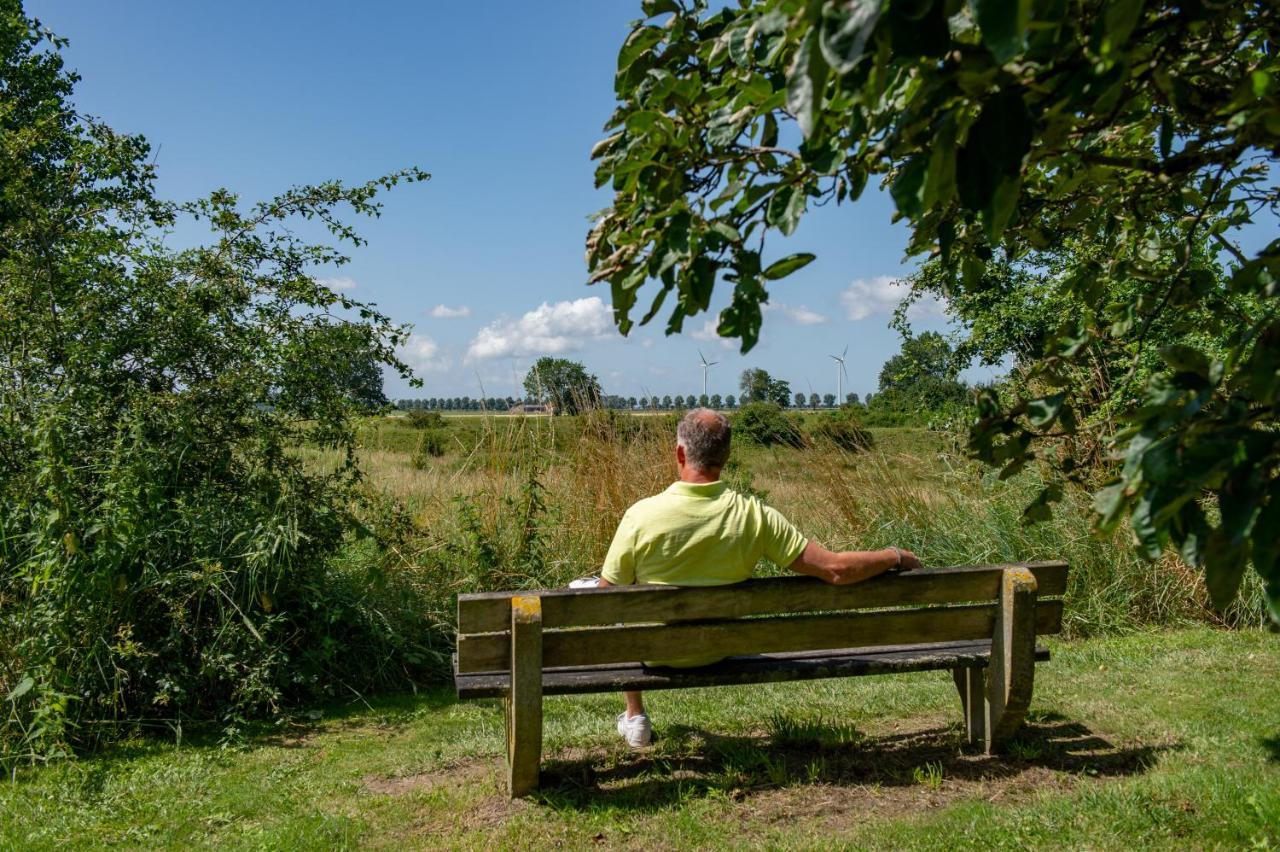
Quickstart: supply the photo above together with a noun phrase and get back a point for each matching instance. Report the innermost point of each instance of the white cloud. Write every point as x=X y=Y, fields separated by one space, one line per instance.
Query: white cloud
x=446 y=312
x=546 y=330
x=424 y=356
x=799 y=315
x=867 y=297
x=708 y=334
x=340 y=282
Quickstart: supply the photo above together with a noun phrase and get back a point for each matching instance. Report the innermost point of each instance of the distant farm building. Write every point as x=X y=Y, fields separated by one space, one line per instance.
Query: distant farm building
x=528 y=408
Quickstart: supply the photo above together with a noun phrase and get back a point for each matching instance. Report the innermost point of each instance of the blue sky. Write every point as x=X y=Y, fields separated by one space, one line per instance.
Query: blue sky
x=501 y=103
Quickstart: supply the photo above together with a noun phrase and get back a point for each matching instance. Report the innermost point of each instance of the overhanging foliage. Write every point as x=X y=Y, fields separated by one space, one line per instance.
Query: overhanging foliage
x=1002 y=129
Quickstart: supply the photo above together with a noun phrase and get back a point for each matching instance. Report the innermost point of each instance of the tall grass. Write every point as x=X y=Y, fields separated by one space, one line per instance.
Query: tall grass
x=532 y=502
x=916 y=490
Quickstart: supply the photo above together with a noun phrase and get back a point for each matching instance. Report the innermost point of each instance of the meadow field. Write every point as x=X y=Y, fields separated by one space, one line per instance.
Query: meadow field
x=515 y=502
x=1154 y=722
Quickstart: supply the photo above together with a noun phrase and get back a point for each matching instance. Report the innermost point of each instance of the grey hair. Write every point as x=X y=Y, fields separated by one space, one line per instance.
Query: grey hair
x=705 y=435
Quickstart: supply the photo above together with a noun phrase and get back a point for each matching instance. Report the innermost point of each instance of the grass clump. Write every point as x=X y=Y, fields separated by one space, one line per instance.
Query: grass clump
x=841 y=428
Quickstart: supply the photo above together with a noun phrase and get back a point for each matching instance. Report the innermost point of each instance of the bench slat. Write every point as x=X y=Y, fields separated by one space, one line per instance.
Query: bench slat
x=491 y=611
x=604 y=645
x=763 y=668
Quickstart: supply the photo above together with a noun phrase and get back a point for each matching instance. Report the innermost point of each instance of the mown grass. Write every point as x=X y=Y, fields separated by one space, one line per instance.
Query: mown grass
x=1152 y=740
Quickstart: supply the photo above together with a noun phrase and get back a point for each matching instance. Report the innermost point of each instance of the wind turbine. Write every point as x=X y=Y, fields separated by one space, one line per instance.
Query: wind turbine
x=706 y=365
x=840 y=374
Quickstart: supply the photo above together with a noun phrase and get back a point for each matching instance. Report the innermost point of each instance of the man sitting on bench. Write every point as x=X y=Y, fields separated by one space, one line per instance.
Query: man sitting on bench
x=699 y=532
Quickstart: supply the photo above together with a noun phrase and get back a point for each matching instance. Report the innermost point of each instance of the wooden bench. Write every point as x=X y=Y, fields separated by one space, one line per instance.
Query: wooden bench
x=979 y=622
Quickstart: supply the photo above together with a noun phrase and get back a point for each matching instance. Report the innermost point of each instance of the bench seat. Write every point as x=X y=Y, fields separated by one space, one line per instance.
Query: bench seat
x=753 y=668
x=980 y=622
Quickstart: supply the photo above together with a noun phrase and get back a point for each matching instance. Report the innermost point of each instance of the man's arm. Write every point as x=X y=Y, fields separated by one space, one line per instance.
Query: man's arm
x=843 y=568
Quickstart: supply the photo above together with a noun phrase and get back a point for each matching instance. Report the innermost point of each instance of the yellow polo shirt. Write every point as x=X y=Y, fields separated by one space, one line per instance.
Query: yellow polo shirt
x=698 y=535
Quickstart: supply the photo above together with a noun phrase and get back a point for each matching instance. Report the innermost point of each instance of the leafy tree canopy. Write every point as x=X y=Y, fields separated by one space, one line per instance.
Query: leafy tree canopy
x=1137 y=128
x=924 y=356
x=565 y=384
x=758 y=386
x=163 y=549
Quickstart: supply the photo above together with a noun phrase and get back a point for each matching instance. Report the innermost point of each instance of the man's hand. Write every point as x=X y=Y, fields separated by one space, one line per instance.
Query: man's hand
x=851 y=566
x=907 y=561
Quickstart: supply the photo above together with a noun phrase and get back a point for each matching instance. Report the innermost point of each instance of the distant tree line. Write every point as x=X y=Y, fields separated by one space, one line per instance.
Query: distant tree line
x=611 y=401
x=617 y=403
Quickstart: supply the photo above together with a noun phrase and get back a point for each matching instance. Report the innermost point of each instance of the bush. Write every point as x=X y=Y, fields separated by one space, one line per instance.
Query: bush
x=431 y=444
x=426 y=420
x=165 y=551
x=765 y=424
x=841 y=428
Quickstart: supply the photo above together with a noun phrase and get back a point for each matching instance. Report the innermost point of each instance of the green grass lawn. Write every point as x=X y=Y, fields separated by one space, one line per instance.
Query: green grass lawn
x=1149 y=740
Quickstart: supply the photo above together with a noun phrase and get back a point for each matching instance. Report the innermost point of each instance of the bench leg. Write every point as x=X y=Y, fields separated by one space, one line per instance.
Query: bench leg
x=973 y=700
x=524 y=703
x=1013 y=656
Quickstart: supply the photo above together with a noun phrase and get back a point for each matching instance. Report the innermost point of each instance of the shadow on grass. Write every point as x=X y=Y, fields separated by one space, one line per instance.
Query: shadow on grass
x=387 y=712
x=691 y=763
x=1272 y=746
x=128 y=741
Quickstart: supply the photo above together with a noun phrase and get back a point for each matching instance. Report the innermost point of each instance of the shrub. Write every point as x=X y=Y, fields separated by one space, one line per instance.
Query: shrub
x=426 y=420
x=165 y=553
x=841 y=428
x=765 y=424
x=431 y=444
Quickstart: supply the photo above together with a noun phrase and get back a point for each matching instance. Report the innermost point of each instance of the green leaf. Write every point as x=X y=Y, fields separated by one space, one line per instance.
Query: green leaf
x=918 y=28
x=789 y=264
x=1109 y=503
x=940 y=178
x=1118 y=20
x=1159 y=460
x=644 y=120
x=657 y=7
x=1266 y=553
x=856 y=174
x=23 y=687
x=785 y=208
x=1150 y=536
x=769 y=132
x=725 y=230
x=907 y=188
x=845 y=30
x=1186 y=359
x=702 y=280
x=993 y=152
x=724 y=125
x=1224 y=564
x=999 y=213
x=640 y=40
x=806 y=82
x=1042 y=412
x=1004 y=25
x=740 y=40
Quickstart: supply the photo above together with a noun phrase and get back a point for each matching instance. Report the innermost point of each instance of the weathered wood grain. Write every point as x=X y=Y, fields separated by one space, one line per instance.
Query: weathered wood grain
x=488 y=611
x=604 y=645
x=1012 y=670
x=971 y=683
x=524 y=703
x=738 y=671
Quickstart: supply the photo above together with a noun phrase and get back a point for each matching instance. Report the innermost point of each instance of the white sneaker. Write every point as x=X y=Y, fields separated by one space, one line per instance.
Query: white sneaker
x=636 y=730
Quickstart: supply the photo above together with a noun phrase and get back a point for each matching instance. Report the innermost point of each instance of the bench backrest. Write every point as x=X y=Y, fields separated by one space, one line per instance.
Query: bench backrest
x=584 y=627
